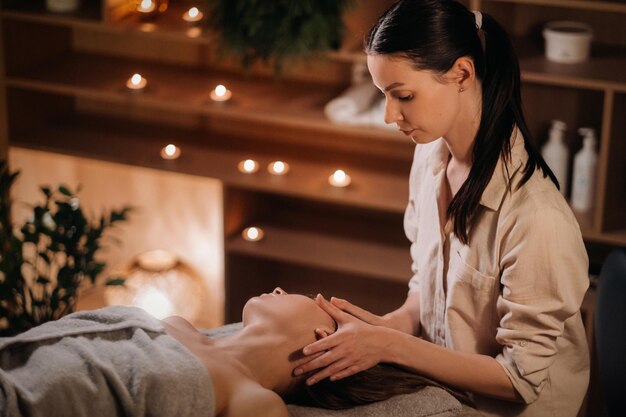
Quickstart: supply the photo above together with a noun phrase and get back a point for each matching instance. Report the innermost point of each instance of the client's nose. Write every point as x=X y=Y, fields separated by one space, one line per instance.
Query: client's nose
x=279 y=291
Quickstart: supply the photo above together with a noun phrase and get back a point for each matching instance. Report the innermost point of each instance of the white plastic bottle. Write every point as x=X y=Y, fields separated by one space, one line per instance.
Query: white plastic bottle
x=584 y=177
x=556 y=154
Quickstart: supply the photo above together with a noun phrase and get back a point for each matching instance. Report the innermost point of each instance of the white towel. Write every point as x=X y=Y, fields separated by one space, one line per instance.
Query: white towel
x=351 y=102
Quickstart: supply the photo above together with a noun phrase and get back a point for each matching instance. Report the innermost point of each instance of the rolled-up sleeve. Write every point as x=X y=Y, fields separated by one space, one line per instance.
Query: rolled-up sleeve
x=544 y=278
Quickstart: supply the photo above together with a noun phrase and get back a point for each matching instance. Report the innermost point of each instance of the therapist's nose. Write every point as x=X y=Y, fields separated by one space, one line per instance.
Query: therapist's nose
x=392 y=113
x=279 y=291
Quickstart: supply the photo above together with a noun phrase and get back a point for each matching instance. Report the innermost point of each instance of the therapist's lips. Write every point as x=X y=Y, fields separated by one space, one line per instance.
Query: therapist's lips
x=408 y=132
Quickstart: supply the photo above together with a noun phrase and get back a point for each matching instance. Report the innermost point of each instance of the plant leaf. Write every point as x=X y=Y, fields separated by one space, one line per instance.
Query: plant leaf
x=115 y=281
x=64 y=190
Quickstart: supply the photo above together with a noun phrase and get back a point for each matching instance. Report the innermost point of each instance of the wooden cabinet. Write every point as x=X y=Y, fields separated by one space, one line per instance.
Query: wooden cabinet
x=587 y=94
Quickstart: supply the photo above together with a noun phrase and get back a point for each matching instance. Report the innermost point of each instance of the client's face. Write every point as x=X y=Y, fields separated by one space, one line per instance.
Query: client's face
x=283 y=311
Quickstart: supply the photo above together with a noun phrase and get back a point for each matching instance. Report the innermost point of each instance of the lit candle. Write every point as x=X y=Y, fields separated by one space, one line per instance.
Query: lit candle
x=278 y=168
x=136 y=82
x=221 y=93
x=248 y=166
x=193 y=15
x=252 y=234
x=146 y=6
x=339 y=179
x=170 y=152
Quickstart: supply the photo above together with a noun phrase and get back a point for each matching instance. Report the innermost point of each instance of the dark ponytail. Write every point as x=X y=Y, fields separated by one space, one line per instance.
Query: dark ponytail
x=433 y=34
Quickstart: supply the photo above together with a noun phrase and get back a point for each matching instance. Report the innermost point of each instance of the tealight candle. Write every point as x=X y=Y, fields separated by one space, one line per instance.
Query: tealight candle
x=136 y=82
x=193 y=15
x=146 y=6
x=221 y=93
x=278 y=168
x=170 y=152
x=252 y=234
x=339 y=179
x=248 y=166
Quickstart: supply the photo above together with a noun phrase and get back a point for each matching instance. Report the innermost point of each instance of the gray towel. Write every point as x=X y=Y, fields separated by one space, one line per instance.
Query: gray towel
x=107 y=362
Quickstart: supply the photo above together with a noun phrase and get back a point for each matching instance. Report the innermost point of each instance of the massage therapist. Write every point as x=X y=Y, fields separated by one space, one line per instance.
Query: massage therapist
x=499 y=266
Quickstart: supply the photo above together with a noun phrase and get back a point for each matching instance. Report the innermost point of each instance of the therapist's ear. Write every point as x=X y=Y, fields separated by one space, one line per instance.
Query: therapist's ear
x=463 y=72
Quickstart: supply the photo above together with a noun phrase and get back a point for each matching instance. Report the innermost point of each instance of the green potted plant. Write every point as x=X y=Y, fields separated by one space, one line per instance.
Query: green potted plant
x=278 y=30
x=42 y=266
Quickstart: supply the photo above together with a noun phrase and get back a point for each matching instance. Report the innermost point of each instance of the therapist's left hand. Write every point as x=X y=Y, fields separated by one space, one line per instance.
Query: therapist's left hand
x=354 y=347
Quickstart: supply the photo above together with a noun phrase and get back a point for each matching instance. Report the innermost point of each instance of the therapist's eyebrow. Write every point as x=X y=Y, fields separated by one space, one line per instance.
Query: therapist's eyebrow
x=392 y=86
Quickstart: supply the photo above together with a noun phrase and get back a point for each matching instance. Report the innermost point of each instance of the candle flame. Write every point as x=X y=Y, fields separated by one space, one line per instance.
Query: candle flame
x=136 y=79
x=170 y=150
x=340 y=176
x=278 y=167
x=253 y=233
x=249 y=165
x=220 y=90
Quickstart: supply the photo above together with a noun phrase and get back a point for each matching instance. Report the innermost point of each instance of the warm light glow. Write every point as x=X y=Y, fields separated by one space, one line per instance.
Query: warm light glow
x=339 y=179
x=136 y=82
x=170 y=152
x=146 y=6
x=154 y=302
x=248 y=166
x=252 y=234
x=278 y=168
x=194 y=32
x=193 y=15
x=220 y=93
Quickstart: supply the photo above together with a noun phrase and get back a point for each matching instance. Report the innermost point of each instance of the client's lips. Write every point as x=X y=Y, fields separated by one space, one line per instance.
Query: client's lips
x=407 y=132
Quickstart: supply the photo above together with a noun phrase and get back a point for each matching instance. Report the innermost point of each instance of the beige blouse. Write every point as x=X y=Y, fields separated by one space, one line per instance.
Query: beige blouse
x=514 y=293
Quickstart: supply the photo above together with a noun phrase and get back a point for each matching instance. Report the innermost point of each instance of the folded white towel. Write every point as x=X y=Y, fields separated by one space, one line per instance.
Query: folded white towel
x=351 y=102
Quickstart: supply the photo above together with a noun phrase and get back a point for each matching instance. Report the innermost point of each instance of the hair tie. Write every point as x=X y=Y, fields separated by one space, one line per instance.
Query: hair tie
x=478 y=17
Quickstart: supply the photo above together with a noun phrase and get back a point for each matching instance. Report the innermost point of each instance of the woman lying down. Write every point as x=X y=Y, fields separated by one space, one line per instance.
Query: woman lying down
x=122 y=361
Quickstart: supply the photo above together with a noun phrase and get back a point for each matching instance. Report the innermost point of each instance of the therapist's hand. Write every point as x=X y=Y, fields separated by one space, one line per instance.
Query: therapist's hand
x=354 y=347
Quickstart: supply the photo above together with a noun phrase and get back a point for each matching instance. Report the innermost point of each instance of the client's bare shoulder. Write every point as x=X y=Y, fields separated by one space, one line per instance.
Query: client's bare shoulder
x=250 y=399
x=236 y=394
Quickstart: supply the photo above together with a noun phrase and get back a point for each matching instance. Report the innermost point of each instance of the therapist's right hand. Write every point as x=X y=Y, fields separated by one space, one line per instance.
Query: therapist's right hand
x=356 y=346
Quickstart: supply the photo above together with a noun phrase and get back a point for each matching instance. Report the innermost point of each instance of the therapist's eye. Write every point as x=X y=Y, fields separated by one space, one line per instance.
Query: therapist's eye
x=405 y=98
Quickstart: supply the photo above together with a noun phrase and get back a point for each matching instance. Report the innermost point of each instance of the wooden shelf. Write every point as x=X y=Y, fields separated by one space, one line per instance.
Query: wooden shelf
x=363 y=258
x=605 y=70
x=87 y=11
x=140 y=144
x=186 y=90
x=169 y=23
x=602 y=6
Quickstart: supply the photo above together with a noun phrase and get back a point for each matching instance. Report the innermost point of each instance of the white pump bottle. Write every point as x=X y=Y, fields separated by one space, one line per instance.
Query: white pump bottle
x=584 y=178
x=556 y=154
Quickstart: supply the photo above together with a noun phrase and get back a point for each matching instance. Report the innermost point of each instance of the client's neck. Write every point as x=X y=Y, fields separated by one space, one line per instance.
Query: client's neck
x=267 y=355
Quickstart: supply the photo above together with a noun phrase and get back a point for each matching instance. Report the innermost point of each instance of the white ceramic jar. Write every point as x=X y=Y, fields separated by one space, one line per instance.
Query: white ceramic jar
x=62 y=6
x=567 y=42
